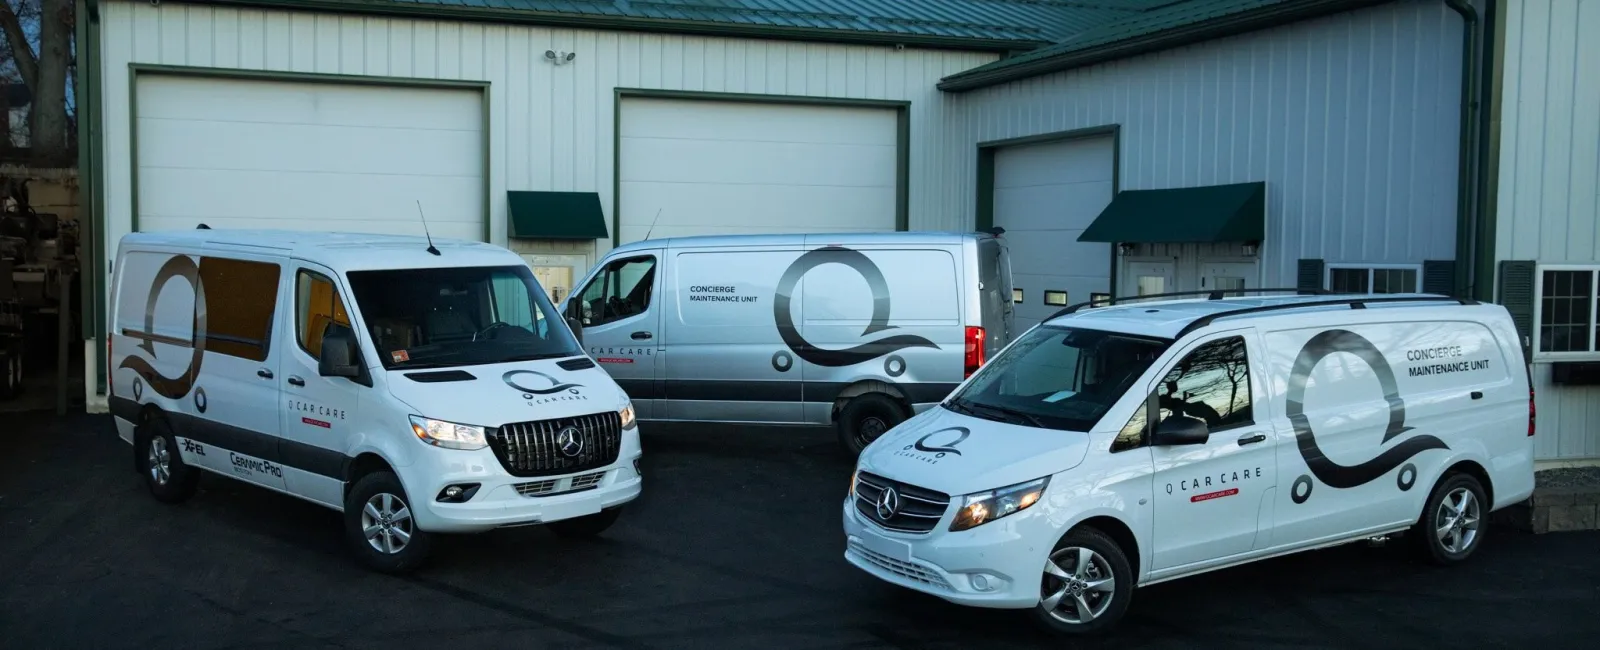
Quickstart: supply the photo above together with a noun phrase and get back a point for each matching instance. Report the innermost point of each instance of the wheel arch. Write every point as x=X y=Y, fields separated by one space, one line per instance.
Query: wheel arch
x=363 y=464
x=1120 y=533
x=866 y=387
x=1475 y=470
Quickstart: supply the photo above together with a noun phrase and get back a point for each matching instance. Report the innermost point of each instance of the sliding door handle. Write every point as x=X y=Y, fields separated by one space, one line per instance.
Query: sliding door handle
x=1250 y=440
x=264 y=373
x=642 y=336
x=296 y=381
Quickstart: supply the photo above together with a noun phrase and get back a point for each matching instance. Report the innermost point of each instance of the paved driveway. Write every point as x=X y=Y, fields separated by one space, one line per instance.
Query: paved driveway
x=736 y=543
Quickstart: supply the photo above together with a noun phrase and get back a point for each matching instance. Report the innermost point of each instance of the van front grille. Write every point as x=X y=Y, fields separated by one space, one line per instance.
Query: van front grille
x=541 y=448
x=918 y=511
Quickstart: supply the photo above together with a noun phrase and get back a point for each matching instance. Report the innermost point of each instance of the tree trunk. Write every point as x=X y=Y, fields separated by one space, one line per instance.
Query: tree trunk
x=49 y=138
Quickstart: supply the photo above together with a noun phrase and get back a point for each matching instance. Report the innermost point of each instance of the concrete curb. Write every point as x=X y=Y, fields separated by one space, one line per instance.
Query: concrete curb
x=1554 y=509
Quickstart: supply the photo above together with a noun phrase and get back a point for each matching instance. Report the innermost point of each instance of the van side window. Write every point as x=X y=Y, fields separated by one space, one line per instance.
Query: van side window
x=317 y=304
x=241 y=297
x=1212 y=384
x=620 y=290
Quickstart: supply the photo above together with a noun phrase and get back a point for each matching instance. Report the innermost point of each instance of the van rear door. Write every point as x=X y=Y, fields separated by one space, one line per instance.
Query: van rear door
x=997 y=315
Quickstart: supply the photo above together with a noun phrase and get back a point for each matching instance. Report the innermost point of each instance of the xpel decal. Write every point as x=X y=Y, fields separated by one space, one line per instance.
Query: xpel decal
x=1325 y=469
x=784 y=319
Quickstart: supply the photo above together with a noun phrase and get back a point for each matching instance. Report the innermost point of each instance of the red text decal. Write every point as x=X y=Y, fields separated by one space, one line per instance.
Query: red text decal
x=614 y=360
x=1213 y=495
x=316 y=423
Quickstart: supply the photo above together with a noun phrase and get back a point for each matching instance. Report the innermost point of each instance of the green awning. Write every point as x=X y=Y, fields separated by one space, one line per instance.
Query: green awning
x=556 y=215
x=1210 y=214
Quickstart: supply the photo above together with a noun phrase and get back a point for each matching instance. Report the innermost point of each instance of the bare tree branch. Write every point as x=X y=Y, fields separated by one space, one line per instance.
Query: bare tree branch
x=21 y=52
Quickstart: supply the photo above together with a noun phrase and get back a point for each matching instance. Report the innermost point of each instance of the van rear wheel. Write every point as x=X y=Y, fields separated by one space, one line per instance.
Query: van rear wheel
x=158 y=460
x=865 y=418
x=1453 y=520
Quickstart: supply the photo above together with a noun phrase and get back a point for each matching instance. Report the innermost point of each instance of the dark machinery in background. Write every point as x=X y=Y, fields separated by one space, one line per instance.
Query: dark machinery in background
x=38 y=287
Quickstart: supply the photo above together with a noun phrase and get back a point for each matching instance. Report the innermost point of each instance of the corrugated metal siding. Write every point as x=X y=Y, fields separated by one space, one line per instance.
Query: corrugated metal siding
x=1352 y=121
x=1549 y=189
x=552 y=126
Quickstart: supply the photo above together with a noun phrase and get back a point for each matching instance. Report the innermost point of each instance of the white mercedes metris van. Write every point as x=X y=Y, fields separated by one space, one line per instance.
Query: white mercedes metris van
x=1282 y=423
x=417 y=386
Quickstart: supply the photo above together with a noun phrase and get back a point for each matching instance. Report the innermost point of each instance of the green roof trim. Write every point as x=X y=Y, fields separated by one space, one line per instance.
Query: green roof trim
x=989 y=25
x=555 y=215
x=1165 y=26
x=1204 y=215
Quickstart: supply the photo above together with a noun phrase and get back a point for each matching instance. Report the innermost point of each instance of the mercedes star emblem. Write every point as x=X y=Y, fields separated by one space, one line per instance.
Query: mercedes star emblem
x=569 y=442
x=888 y=503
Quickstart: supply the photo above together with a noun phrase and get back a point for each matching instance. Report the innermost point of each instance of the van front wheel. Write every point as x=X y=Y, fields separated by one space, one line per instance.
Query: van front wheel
x=380 y=527
x=866 y=418
x=1086 y=585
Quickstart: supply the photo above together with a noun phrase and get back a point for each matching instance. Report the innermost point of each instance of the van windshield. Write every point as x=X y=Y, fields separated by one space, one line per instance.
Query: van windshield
x=439 y=317
x=1058 y=377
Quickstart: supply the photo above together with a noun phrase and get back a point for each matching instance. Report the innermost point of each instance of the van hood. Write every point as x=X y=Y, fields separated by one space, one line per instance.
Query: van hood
x=493 y=395
x=957 y=454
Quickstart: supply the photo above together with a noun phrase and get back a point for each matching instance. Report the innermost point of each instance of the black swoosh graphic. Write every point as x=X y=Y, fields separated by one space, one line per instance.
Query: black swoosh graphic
x=784 y=317
x=555 y=386
x=1325 y=469
x=172 y=387
x=949 y=448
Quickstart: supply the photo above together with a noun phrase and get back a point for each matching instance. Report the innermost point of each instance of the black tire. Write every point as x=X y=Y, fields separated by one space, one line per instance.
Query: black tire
x=168 y=478
x=585 y=527
x=1105 y=551
x=410 y=545
x=1466 y=533
x=866 y=418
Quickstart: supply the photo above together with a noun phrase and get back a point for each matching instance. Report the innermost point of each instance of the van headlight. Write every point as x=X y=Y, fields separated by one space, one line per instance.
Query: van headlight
x=984 y=507
x=626 y=413
x=449 y=434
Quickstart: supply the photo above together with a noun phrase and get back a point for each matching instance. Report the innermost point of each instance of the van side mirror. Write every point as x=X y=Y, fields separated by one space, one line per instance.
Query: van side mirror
x=1181 y=430
x=340 y=355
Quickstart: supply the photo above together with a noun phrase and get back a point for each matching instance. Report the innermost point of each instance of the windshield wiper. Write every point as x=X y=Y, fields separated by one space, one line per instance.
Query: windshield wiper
x=539 y=356
x=1004 y=414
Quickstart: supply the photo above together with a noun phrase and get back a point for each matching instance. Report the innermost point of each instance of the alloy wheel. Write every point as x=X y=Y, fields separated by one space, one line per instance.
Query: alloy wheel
x=1078 y=585
x=1456 y=522
x=159 y=460
x=386 y=522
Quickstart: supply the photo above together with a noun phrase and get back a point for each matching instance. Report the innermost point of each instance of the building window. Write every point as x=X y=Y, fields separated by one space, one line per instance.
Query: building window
x=1565 y=320
x=1375 y=278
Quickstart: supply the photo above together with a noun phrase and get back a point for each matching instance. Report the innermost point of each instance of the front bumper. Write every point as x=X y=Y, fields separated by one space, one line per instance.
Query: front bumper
x=996 y=565
x=504 y=500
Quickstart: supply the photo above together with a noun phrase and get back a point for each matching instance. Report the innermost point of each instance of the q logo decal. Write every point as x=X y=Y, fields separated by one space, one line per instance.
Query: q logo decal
x=179 y=266
x=880 y=314
x=941 y=449
x=555 y=386
x=1324 y=468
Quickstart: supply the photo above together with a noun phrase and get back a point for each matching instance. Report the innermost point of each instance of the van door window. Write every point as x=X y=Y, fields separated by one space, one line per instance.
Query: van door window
x=241 y=296
x=1212 y=384
x=621 y=290
x=317 y=306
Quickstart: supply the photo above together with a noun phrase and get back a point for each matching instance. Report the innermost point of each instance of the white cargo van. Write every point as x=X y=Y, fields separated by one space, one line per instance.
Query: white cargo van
x=857 y=330
x=419 y=387
x=1281 y=423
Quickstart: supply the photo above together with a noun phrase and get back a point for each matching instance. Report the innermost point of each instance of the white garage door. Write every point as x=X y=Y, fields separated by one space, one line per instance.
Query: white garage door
x=314 y=156
x=710 y=167
x=1045 y=195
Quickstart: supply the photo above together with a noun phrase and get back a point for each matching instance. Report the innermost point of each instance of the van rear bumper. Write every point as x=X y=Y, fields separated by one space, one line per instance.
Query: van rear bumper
x=502 y=500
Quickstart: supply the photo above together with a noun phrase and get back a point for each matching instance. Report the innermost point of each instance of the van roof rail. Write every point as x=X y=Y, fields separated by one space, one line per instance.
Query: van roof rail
x=1354 y=302
x=1211 y=294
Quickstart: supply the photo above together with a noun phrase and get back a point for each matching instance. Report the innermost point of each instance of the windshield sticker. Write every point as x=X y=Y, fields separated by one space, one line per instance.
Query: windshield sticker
x=933 y=446
x=1327 y=471
x=784 y=318
x=399 y=356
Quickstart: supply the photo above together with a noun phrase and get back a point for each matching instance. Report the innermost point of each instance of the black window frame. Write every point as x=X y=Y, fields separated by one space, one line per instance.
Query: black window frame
x=1150 y=407
x=604 y=275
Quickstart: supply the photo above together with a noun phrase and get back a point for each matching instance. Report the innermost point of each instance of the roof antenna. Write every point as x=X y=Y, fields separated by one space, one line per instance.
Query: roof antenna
x=653 y=224
x=431 y=249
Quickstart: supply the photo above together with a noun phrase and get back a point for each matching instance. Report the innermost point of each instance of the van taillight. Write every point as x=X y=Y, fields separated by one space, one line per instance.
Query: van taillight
x=974 y=350
x=1532 y=412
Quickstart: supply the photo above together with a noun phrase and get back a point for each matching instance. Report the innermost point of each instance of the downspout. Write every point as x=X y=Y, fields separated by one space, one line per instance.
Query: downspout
x=1466 y=223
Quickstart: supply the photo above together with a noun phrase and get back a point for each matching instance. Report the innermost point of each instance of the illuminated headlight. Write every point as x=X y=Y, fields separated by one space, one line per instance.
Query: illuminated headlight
x=984 y=507
x=449 y=434
x=626 y=413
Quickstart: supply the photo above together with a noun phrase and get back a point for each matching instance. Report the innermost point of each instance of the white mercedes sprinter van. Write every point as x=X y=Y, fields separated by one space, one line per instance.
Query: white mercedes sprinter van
x=1281 y=423
x=418 y=387
x=856 y=330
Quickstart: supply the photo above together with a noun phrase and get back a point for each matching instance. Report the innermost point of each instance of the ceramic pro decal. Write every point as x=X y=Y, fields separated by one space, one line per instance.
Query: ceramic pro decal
x=1325 y=469
x=784 y=318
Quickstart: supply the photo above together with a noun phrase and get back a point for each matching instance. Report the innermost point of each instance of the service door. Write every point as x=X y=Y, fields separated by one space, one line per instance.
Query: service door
x=318 y=412
x=1147 y=278
x=1227 y=275
x=621 y=315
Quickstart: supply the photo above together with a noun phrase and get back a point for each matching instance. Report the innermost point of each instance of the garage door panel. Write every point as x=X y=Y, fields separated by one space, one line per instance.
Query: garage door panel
x=334 y=149
x=1055 y=162
x=1047 y=207
x=191 y=195
x=727 y=209
x=714 y=167
x=824 y=165
x=323 y=156
x=267 y=102
x=701 y=120
x=1061 y=253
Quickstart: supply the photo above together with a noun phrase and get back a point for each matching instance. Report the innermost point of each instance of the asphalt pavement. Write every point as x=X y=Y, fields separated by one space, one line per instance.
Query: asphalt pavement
x=736 y=543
